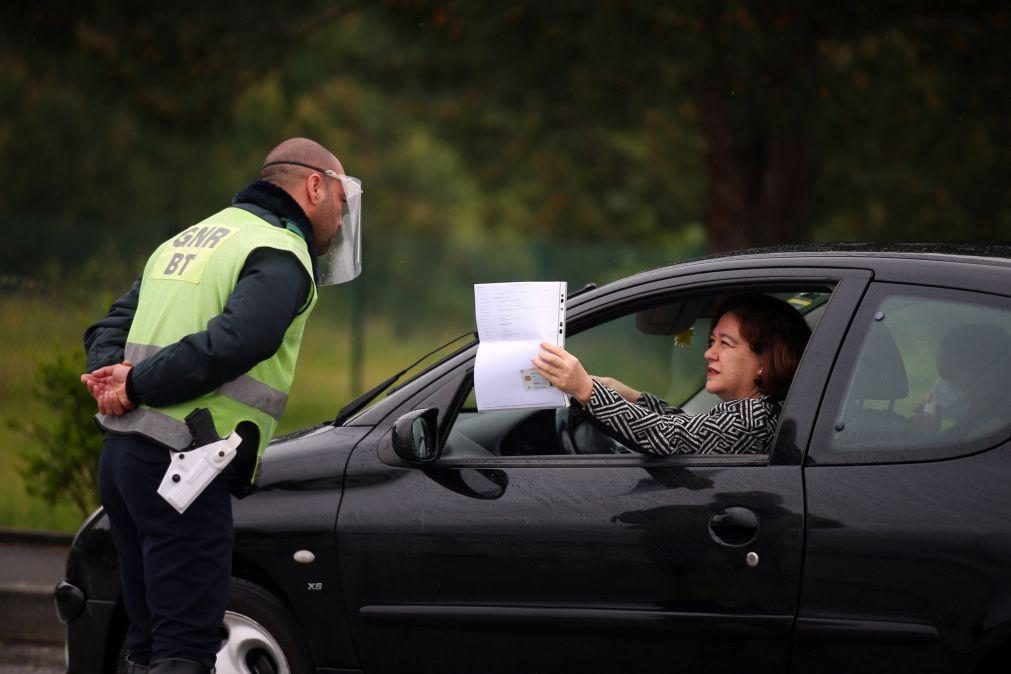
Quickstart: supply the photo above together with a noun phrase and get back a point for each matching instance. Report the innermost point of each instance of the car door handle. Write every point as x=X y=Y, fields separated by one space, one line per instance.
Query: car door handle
x=734 y=526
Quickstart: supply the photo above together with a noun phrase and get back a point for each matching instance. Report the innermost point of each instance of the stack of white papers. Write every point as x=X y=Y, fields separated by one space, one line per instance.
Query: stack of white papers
x=512 y=321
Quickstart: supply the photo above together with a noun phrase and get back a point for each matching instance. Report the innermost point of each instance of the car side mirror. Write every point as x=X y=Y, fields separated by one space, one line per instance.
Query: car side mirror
x=414 y=436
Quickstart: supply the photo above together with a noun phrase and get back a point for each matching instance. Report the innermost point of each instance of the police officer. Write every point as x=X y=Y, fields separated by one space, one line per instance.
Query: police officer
x=214 y=322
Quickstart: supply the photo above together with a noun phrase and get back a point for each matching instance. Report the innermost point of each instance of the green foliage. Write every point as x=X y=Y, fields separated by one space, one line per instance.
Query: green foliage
x=772 y=122
x=614 y=121
x=64 y=466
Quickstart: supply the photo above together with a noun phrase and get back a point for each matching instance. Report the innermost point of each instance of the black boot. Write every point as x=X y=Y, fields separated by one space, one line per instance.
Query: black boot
x=133 y=668
x=179 y=666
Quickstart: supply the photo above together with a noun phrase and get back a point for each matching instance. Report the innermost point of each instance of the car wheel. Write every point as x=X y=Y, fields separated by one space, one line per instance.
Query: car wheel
x=259 y=635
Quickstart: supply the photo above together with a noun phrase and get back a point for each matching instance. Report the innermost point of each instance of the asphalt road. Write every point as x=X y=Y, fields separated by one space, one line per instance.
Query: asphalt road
x=31 y=640
x=30 y=658
x=31 y=566
x=29 y=571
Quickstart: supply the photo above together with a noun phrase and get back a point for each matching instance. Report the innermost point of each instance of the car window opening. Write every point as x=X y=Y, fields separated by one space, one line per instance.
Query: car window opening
x=656 y=348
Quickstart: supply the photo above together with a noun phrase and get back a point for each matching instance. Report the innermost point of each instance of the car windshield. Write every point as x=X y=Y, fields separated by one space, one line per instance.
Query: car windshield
x=364 y=400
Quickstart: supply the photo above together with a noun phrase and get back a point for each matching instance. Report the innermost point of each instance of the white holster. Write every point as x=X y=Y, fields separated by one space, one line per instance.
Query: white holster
x=191 y=471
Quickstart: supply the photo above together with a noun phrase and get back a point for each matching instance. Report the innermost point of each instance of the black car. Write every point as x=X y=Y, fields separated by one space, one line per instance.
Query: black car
x=419 y=535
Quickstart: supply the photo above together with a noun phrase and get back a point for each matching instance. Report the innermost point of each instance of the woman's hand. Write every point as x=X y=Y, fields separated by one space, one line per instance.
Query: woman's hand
x=564 y=372
x=624 y=390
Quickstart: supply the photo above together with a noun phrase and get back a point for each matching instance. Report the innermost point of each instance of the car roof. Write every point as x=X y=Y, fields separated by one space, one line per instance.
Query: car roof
x=870 y=249
x=996 y=251
x=989 y=254
x=888 y=259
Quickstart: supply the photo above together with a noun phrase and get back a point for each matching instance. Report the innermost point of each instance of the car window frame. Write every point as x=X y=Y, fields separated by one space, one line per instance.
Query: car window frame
x=820 y=452
x=848 y=286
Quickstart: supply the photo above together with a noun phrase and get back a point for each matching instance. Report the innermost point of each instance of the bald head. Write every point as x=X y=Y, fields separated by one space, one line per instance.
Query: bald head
x=309 y=173
x=302 y=151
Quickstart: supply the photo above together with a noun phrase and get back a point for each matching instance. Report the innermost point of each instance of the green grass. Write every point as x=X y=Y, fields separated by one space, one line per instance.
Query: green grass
x=35 y=326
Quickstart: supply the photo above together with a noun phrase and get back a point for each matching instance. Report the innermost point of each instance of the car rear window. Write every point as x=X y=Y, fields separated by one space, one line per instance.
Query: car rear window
x=924 y=375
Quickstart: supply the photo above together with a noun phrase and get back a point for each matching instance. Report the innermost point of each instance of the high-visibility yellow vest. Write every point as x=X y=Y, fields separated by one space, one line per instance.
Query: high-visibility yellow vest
x=186 y=282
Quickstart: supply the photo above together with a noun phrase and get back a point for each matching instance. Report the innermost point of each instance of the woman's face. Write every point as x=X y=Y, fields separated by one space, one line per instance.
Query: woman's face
x=733 y=366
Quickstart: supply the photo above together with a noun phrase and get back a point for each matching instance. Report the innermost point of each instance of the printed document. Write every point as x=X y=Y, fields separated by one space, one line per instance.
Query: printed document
x=512 y=321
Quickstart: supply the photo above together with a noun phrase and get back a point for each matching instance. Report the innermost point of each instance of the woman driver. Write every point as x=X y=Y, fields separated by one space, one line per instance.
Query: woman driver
x=754 y=346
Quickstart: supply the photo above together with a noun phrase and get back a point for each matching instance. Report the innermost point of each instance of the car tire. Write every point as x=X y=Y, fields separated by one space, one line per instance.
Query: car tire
x=259 y=635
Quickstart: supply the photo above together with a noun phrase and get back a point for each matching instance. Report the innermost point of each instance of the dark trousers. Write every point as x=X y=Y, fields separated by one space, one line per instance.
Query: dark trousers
x=175 y=568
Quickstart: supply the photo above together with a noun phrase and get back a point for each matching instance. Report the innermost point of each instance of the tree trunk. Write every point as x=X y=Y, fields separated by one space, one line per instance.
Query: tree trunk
x=758 y=188
x=759 y=166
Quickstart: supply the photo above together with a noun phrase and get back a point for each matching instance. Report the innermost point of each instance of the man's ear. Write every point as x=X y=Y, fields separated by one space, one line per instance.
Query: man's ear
x=315 y=190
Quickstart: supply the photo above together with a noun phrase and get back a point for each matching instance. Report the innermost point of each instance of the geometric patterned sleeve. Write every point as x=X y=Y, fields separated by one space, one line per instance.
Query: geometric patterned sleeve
x=732 y=427
x=654 y=404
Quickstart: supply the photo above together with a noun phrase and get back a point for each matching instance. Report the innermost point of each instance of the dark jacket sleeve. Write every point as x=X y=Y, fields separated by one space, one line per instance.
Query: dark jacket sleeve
x=105 y=341
x=272 y=289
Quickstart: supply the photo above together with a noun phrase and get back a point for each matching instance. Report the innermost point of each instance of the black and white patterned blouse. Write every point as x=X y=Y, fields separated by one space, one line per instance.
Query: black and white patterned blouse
x=733 y=427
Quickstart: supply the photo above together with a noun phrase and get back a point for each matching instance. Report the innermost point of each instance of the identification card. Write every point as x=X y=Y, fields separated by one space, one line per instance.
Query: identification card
x=532 y=380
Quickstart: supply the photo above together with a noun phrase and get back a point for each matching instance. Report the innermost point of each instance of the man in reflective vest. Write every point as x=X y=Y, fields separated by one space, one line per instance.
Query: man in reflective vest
x=214 y=322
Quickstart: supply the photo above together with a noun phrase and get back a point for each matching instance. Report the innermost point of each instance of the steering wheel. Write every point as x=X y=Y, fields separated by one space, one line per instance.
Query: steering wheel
x=578 y=435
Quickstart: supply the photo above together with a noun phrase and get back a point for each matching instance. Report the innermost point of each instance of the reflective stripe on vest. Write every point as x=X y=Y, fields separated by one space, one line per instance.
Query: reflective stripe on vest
x=151 y=423
x=243 y=389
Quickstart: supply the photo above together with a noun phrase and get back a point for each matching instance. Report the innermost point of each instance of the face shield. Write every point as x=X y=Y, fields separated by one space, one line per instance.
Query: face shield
x=343 y=261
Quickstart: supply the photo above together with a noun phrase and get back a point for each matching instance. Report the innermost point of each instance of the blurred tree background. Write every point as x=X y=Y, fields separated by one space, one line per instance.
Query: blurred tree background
x=499 y=140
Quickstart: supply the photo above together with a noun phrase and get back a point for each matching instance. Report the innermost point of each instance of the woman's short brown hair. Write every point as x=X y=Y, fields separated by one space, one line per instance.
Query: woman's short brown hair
x=775 y=331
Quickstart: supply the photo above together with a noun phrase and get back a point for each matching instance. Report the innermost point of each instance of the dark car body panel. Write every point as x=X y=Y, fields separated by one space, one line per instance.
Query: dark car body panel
x=907 y=546
x=591 y=563
x=295 y=508
x=560 y=552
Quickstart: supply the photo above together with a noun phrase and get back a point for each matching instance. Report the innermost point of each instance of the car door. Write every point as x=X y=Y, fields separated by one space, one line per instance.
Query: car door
x=908 y=541
x=504 y=558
